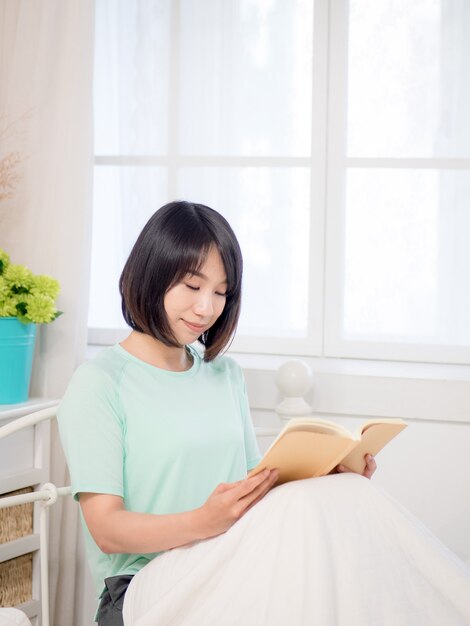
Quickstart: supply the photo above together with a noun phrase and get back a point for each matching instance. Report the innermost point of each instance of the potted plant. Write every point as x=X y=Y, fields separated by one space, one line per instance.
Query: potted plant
x=26 y=300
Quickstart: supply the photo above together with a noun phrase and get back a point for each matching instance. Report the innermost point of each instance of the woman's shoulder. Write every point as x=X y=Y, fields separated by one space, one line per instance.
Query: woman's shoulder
x=94 y=386
x=104 y=368
x=228 y=365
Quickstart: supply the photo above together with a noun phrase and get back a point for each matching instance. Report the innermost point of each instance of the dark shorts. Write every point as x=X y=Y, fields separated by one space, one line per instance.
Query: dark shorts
x=112 y=601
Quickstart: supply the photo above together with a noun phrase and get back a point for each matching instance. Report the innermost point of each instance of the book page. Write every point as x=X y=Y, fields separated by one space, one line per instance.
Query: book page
x=384 y=420
x=376 y=434
x=313 y=424
x=319 y=425
x=304 y=454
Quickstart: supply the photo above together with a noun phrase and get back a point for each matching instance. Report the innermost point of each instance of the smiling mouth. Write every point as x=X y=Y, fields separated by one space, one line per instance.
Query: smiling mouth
x=197 y=328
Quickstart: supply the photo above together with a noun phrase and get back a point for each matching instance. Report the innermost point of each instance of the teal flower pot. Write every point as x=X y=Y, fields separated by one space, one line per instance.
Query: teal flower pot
x=16 y=359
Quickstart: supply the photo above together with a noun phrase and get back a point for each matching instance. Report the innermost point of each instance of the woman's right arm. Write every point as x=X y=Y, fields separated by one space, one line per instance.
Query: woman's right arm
x=116 y=530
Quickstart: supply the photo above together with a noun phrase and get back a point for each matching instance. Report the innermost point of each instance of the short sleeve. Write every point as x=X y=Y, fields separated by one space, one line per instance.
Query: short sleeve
x=253 y=455
x=92 y=432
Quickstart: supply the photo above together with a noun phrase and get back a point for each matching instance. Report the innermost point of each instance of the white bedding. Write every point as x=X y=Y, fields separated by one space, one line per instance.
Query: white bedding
x=332 y=551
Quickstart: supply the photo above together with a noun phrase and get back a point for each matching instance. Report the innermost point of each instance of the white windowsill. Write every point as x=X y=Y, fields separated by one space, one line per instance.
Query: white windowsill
x=358 y=367
x=353 y=367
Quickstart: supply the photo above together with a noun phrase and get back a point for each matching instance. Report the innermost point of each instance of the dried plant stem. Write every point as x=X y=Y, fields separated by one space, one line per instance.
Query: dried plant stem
x=9 y=176
x=11 y=161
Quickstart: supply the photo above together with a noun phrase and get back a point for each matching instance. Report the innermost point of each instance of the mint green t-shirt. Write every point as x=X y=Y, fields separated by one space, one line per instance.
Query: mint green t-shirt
x=161 y=440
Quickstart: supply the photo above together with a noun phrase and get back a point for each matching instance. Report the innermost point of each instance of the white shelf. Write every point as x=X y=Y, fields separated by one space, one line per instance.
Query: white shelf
x=18 y=547
x=19 y=480
x=24 y=462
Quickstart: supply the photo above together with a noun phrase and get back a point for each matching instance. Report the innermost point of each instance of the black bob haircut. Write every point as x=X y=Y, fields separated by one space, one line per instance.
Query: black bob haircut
x=175 y=242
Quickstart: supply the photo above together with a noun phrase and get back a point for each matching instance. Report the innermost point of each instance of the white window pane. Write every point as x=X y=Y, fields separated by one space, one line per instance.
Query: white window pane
x=124 y=199
x=407 y=256
x=268 y=209
x=408 y=93
x=132 y=52
x=245 y=78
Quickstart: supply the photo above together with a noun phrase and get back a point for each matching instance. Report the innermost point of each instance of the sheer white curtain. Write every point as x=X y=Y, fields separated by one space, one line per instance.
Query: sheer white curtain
x=46 y=78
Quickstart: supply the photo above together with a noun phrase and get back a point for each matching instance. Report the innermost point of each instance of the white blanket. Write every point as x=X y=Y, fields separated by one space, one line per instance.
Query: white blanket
x=331 y=551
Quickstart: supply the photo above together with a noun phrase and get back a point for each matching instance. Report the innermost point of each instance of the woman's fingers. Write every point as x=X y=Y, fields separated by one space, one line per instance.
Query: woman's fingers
x=263 y=487
x=229 y=501
x=250 y=491
x=241 y=488
x=371 y=466
x=248 y=485
x=257 y=490
x=271 y=482
x=369 y=469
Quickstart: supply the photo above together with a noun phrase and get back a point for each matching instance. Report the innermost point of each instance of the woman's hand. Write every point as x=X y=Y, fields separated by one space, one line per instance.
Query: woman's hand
x=230 y=501
x=369 y=469
x=116 y=530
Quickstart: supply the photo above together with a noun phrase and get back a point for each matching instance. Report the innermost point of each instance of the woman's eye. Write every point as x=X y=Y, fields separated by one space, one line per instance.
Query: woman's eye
x=192 y=287
x=224 y=295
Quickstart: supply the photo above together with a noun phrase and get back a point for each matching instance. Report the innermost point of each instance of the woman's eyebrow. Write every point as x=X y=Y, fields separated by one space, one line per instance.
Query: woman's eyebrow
x=204 y=277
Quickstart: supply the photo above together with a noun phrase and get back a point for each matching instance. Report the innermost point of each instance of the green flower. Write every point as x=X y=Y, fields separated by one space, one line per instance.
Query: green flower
x=45 y=285
x=4 y=289
x=19 y=277
x=25 y=296
x=40 y=309
x=8 y=308
x=4 y=261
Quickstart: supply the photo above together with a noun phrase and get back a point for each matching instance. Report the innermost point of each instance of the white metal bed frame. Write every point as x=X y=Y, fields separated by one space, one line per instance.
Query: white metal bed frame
x=46 y=495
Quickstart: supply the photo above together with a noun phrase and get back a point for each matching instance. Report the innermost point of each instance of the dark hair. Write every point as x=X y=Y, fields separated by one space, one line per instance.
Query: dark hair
x=174 y=242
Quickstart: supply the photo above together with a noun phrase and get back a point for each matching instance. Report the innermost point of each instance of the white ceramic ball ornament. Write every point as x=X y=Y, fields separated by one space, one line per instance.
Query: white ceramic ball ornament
x=294 y=380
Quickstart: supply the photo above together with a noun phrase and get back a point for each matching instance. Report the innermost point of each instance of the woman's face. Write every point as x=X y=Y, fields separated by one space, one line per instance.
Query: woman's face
x=194 y=304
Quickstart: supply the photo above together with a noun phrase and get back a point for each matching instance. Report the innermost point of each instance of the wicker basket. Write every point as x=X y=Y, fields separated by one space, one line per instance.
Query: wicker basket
x=16 y=575
x=16 y=521
x=16 y=580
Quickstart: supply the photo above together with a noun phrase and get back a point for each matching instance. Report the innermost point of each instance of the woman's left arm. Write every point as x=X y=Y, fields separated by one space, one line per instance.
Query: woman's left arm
x=369 y=469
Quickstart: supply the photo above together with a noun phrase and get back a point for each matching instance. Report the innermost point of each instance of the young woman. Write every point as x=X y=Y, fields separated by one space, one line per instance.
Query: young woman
x=159 y=440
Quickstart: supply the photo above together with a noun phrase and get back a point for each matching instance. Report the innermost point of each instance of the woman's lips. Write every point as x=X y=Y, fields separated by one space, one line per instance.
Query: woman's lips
x=195 y=328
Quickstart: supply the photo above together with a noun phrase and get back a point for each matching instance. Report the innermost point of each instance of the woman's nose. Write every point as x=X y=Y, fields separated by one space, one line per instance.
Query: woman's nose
x=204 y=305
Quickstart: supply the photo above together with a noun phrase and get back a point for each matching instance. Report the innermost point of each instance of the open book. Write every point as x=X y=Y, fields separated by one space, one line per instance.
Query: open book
x=310 y=446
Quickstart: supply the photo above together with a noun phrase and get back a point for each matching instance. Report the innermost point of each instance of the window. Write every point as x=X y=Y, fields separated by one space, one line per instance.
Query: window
x=398 y=206
x=333 y=137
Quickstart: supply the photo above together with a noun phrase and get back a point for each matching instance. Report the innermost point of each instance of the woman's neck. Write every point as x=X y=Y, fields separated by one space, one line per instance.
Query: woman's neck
x=154 y=352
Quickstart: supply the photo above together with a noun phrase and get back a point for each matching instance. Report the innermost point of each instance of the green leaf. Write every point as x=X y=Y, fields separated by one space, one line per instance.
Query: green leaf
x=21 y=308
